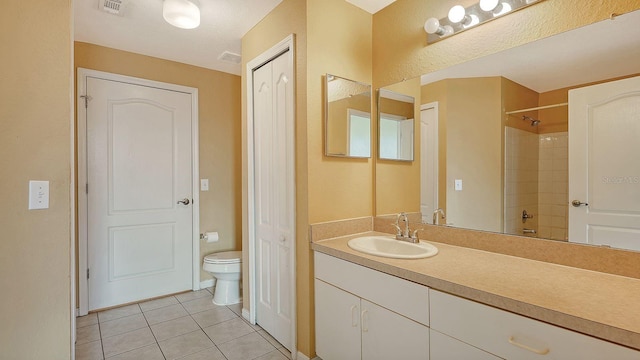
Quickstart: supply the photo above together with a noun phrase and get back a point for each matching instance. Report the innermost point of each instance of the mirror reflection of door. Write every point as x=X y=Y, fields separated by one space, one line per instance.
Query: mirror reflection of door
x=604 y=153
x=359 y=138
x=396 y=125
x=347 y=118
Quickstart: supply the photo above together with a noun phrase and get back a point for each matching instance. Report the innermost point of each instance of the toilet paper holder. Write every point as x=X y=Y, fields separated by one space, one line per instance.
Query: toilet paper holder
x=210 y=236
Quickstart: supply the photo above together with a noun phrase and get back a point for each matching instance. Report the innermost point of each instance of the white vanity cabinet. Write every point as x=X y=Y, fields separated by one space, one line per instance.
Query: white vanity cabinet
x=515 y=337
x=365 y=314
x=444 y=347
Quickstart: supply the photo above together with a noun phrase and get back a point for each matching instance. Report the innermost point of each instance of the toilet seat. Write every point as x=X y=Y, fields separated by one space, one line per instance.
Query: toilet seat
x=225 y=257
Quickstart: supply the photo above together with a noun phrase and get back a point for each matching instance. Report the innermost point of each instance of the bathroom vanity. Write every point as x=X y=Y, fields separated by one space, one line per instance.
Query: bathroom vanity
x=469 y=304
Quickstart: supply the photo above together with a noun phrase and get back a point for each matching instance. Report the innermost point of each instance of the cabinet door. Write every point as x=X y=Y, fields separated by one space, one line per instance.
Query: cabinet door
x=387 y=335
x=337 y=323
x=444 y=347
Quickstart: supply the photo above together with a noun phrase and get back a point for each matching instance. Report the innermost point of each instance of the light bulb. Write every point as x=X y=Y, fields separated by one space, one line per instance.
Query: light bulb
x=457 y=14
x=432 y=26
x=488 y=5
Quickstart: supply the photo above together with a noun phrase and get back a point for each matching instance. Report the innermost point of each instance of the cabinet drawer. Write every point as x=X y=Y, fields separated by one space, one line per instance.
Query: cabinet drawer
x=444 y=347
x=399 y=295
x=512 y=336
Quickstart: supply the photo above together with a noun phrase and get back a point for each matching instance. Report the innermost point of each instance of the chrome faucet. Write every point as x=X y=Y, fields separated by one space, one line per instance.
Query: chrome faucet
x=435 y=215
x=406 y=234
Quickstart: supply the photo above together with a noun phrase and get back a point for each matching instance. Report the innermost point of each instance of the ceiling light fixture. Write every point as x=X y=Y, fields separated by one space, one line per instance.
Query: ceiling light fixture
x=184 y=14
x=460 y=18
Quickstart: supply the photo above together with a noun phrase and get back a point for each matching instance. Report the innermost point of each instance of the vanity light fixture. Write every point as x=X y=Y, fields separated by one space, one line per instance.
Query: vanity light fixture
x=184 y=14
x=460 y=18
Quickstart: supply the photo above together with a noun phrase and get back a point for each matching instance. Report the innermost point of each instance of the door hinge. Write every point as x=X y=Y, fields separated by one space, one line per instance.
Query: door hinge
x=87 y=273
x=86 y=188
x=86 y=98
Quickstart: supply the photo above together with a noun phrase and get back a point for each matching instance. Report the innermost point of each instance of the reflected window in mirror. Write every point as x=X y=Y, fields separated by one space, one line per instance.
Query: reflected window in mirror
x=395 y=125
x=347 y=118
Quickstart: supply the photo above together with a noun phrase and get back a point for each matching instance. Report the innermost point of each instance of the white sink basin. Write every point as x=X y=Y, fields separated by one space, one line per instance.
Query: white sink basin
x=387 y=246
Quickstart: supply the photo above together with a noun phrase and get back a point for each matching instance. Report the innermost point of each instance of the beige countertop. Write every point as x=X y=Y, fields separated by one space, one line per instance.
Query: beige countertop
x=597 y=304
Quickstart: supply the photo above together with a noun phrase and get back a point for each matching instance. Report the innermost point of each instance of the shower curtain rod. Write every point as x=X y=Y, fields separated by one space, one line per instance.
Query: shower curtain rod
x=536 y=108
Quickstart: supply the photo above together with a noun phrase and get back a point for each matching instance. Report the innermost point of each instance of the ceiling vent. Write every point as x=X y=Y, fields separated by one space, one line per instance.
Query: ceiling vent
x=113 y=7
x=230 y=57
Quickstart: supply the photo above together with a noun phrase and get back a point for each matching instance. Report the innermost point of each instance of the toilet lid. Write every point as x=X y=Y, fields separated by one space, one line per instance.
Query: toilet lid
x=225 y=257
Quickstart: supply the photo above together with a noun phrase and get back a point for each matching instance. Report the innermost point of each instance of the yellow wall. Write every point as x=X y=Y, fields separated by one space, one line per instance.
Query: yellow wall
x=518 y=97
x=400 y=48
x=219 y=127
x=474 y=121
x=287 y=18
x=339 y=43
x=332 y=36
x=35 y=136
x=397 y=183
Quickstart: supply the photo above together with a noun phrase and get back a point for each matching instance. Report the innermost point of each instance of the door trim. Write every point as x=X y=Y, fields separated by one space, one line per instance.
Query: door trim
x=286 y=45
x=83 y=74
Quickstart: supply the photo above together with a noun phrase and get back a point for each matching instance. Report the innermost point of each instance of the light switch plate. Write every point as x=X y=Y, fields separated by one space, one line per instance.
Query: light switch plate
x=38 y=194
x=204 y=184
x=458 y=184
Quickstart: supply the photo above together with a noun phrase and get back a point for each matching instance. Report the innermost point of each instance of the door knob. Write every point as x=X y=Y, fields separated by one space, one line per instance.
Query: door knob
x=184 y=201
x=578 y=203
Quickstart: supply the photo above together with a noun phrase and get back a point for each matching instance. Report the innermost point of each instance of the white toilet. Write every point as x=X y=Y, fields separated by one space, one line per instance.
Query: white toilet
x=225 y=268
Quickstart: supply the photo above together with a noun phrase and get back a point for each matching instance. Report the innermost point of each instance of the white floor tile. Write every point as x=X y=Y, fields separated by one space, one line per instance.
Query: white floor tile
x=122 y=325
x=120 y=312
x=173 y=328
x=89 y=351
x=122 y=343
x=183 y=345
x=213 y=317
x=150 y=352
x=192 y=295
x=158 y=303
x=165 y=314
x=87 y=334
x=227 y=331
x=201 y=304
x=208 y=354
x=247 y=347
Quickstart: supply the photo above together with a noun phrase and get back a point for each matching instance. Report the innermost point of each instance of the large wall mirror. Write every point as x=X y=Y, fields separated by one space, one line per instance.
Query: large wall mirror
x=510 y=148
x=395 y=125
x=347 y=118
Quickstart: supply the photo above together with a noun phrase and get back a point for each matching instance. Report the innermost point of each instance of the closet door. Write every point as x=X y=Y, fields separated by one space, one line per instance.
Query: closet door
x=275 y=190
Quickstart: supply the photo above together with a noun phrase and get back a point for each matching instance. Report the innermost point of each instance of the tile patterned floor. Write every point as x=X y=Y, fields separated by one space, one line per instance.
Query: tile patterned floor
x=186 y=326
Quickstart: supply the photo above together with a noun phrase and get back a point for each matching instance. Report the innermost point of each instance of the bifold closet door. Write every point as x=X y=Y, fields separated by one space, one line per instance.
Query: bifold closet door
x=274 y=194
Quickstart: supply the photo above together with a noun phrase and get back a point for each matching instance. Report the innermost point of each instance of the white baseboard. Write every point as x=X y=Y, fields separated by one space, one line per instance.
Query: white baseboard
x=301 y=356
x=207 y=283
x=245 y=314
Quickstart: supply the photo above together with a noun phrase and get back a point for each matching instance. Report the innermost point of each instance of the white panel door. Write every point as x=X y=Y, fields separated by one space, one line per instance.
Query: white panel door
x=604 y=164
x=387 y=335
x=138 y=168
x=337 y=323
x=428 y=162
x=274 y=194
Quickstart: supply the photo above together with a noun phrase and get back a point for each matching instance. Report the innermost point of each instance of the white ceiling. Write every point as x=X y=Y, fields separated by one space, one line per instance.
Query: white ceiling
x=141 y=29
x=372 y=6
x=603 y=50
